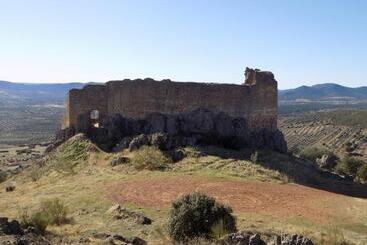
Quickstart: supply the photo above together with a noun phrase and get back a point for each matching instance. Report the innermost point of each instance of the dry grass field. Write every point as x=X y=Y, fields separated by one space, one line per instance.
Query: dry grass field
x=265 y=197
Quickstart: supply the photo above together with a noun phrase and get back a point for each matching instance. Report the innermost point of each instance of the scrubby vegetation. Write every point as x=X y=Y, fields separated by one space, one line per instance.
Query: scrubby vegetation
x=50 y=212
x=348 y=166
x=38 y=220
x=249 y=180
x=3 y=176
x=149 y=158
x=198 y=215
x=55 y=210
x=313 y=152
x=353 y=167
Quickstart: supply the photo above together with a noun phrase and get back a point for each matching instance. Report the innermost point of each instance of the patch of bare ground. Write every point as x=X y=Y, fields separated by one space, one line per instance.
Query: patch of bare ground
x=279 y=200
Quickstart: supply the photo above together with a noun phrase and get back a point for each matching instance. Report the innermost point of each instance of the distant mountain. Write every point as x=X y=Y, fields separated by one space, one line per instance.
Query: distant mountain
x=33 y=93
x=323 y=92
x=11 y=93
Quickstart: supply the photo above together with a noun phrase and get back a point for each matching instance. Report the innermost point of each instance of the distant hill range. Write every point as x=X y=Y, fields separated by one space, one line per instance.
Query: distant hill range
x=11 y=93
x=324 y=92
x=14 y=93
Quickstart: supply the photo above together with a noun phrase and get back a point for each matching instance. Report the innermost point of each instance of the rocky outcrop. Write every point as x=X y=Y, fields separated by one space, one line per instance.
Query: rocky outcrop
x=119 y=212
x=12 y=233
x=117 y=239
x=199 y=127
x=249 y=238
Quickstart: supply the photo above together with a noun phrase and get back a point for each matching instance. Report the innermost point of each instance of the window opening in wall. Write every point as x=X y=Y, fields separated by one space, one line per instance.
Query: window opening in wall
x=94 y=117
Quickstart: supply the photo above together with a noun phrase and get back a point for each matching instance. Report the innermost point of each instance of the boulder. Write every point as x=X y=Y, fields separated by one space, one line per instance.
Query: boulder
x=256 y=240
x=249 y=238
x=117 y=239
x=327 y=161
x=138 y=142
x=119 y=160
x=295 y=240
x=123 y=144
x=12 y=233
x=118 y=212
x=10 y=228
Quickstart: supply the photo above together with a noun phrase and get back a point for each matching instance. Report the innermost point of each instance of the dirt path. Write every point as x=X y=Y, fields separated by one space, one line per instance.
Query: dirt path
x=287 y=200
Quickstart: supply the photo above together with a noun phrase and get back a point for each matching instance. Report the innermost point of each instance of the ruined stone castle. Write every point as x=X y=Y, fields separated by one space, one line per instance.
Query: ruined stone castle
x=93 y=109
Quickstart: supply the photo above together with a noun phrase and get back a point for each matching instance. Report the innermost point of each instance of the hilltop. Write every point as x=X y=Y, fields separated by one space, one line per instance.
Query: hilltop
x=270 y=193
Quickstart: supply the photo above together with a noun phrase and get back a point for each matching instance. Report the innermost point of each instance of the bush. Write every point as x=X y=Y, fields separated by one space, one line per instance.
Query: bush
x=312 y=152
x=197 y=215
x=150 y=158
x=56 y=211
x=349 y=166
x=3 y=176
x=362 y=173
x=51 y=212
x=38 y=220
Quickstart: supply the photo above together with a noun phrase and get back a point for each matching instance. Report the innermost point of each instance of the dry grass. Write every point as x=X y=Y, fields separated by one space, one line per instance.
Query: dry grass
x=84 y=193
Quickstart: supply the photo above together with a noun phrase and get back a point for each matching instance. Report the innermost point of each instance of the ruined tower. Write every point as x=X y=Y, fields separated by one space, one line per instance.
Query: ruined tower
x=255 y=101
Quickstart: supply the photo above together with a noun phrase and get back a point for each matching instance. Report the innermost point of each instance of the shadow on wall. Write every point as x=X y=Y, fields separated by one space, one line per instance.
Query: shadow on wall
x=198 y=127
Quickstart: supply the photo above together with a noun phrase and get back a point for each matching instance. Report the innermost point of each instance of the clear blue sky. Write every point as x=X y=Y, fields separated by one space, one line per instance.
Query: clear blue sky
x=303 y=42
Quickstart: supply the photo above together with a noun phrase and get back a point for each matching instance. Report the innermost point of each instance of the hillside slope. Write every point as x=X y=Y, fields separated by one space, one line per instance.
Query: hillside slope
x=326 y=91
x=261 y=193
x=11 y=93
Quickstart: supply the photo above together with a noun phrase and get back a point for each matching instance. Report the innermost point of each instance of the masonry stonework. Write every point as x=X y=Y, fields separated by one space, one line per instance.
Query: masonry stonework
x=255 y=100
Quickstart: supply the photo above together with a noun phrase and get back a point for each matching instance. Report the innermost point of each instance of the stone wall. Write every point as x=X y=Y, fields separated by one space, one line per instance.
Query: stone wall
x=255 y=100
x=138 y=98
x=80 y=103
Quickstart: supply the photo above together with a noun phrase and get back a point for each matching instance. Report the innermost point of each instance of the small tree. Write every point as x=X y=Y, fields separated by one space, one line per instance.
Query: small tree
x=195 y=214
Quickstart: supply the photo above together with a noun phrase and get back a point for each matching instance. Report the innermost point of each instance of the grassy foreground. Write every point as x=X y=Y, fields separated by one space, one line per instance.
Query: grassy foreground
x=81 y=175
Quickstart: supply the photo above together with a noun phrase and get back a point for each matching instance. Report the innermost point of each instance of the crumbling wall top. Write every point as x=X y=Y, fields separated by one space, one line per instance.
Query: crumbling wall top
x=256 y=76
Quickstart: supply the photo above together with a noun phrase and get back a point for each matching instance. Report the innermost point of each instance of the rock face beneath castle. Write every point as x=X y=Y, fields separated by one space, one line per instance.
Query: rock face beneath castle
x=186 y=113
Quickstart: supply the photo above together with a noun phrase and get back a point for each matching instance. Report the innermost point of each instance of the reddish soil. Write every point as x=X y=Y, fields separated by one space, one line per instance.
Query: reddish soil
x=287 y=200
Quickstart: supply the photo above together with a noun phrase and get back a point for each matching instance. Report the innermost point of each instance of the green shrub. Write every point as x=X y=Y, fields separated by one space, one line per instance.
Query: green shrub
x=313 y=152
x=39 y=220
x=198 y=215
x=362 y=173
x=56 y=211
x=3 y=176
x=348 y=166
x=51 y=212
x=150 y=158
